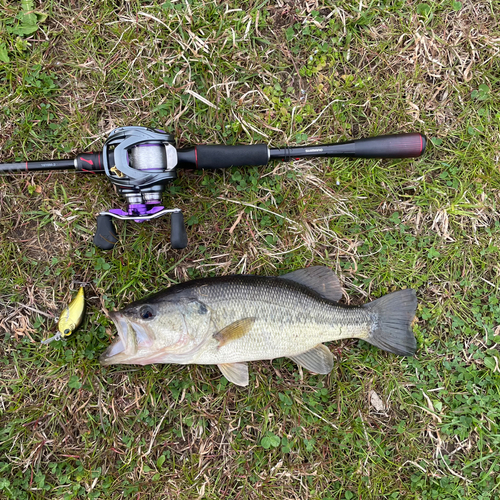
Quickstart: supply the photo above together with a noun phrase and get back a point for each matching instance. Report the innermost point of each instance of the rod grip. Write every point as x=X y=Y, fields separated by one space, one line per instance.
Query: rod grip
x=92 y=162
x=214 y=156
x=391 y=146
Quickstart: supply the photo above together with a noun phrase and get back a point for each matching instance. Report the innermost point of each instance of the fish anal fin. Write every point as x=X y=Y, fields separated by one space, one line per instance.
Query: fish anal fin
x=319 y=359
x=237 y=373
x=321 y=279
x=234 y=331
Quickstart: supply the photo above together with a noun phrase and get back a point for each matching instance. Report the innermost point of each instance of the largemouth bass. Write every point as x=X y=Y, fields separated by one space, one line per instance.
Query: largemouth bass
x=231 y=320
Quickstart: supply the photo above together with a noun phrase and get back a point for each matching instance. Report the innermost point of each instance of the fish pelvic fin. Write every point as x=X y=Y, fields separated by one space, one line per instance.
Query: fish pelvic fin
x=319 y=359
x=234 y=331
x=393 y=315
x=237 y=373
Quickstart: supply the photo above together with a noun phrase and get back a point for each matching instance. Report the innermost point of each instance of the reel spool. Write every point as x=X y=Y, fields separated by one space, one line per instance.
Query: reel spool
x=139 y=161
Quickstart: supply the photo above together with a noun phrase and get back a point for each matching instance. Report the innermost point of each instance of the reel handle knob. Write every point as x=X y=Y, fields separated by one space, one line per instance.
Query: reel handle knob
x=178 y=235
x=105 y=236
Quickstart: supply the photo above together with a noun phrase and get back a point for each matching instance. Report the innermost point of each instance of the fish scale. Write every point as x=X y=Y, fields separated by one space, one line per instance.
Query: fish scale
x=287 y=323
x=230 y=320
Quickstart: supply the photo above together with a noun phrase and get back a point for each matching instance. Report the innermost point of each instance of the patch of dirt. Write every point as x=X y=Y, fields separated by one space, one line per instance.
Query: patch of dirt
x=285 y=16
x=38 y=244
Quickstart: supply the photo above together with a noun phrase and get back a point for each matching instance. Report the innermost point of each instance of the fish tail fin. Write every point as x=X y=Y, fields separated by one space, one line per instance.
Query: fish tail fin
x=393 y=316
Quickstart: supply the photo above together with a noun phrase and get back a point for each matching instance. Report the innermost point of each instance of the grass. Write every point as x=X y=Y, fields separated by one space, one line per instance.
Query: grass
x=378 y=426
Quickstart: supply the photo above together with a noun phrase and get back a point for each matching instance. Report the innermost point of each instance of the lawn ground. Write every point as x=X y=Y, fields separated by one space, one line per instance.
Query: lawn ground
x=282 y=73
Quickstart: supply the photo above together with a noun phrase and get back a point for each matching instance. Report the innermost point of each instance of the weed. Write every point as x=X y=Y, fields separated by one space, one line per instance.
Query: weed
x=280 y=73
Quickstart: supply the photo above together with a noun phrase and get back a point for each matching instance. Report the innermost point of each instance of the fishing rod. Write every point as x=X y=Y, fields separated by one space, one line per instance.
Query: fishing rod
x=140 y=161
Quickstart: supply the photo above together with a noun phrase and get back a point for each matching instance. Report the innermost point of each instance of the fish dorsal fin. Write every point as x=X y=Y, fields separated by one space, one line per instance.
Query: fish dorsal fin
x=234 y=331
x=237 y=373
x=321 y=279
x=319 y=359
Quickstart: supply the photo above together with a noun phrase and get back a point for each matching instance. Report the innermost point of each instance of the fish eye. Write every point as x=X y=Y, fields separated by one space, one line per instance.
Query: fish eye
x=146 y=312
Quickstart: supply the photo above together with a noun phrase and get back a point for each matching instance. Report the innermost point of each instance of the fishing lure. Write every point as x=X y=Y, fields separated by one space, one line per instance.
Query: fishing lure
x=70 y=318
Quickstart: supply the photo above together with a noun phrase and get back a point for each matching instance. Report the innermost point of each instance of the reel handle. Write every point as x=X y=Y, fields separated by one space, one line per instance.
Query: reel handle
x=105 y=236
x=178 y=235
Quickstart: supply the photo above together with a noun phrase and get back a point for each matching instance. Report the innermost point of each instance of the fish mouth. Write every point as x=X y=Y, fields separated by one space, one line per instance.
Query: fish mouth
x=109 y=356
x=130 y=336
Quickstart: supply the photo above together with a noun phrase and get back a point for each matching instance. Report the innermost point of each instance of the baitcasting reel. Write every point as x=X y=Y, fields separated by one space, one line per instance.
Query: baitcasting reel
x=140 y=161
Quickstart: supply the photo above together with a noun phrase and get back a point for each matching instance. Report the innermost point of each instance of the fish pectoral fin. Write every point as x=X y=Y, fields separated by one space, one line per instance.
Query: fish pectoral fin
x=321 y=279
x=319 y=359
x=234 y=331
x=237 y=373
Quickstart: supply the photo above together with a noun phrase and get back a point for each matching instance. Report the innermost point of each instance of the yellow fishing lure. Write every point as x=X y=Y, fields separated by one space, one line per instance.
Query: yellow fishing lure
x=70 y=318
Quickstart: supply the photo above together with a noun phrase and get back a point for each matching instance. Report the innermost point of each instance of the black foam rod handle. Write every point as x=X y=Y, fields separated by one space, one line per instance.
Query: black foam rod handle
x=178 y=235
x=105 y=236
x=214 y=156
